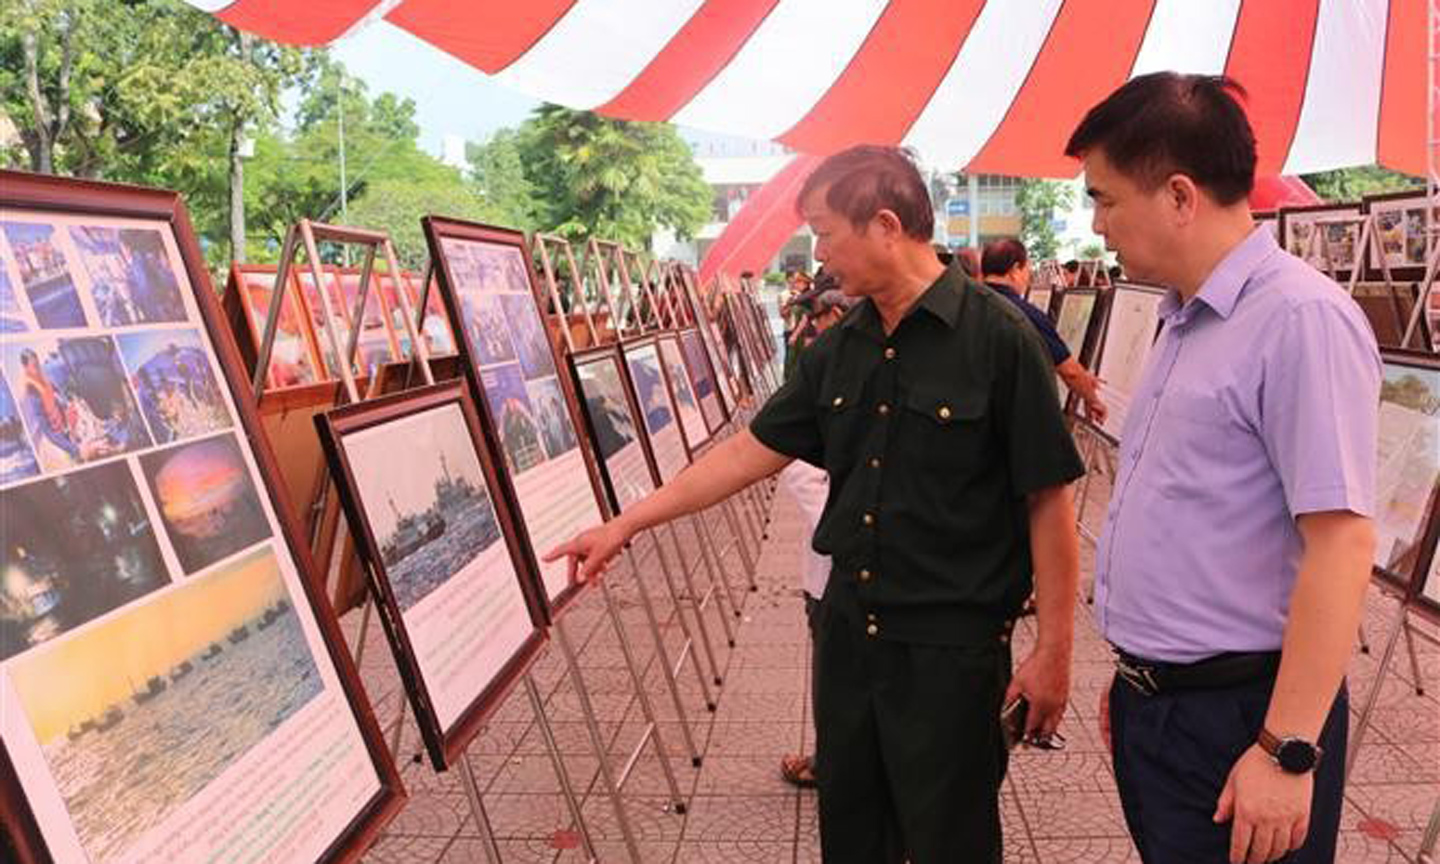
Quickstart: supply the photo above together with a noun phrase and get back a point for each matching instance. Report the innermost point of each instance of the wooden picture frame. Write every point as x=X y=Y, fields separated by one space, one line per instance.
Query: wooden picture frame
x=645 y=377
x=703 y=380
x=378 y=344
x=436 y=324
x=1388 y=308
x=236 y=576
x=693 y=426
x=1079 y=330
x=1406 y=504
x=549 y=480
x=419 y=577
x=1400 y=225
x=1296 y=223
x=612 y=424
x=294 y=358
x=1127 y=332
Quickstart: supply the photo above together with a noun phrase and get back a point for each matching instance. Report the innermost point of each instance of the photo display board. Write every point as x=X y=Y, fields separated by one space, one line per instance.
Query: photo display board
x=702 y=379
x=1132 y=321
x=439 y=335
x=315 y=309
x=1401 y=222
x=487 y=288
x=657 y=409
x=682 y=393
x=293 y=362
x=1077 y=311
x=174 y=686
x=377 y=345
x=442 y=555
x=1040 y=297
x=611 y=417
x=1298 y=226
x=1408 y=477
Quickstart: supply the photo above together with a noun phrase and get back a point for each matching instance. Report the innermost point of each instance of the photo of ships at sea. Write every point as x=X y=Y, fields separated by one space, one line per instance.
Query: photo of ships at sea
x=140 y=714
x=430 y=515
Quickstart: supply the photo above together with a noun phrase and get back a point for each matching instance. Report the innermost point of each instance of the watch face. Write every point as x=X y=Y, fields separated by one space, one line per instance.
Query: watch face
x=1296 y=756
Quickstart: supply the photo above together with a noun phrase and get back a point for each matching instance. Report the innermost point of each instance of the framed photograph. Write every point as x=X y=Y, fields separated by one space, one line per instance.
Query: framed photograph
x=509 y=360
x=378 y=344
x=682 y=392
x=658 y=412
x=1401 y=222
x=1304 y=235
x=1270 y=219
x=172 y=678
x=1041 y=297
x=1077 y=312
x=339 y=320
x=442 y=550
x=1131 y=323
x=702 y=380
x=1408 y=477
x=293 y=358
x=612 y=420
x=436 y=327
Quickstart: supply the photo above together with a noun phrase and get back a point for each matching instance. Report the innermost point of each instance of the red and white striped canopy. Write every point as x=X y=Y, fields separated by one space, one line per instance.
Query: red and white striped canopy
x=991 y=86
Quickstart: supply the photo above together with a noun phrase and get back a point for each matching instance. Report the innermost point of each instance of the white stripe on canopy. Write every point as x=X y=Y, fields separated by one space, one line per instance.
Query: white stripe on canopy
x=1339 y=121
x=1190 y=37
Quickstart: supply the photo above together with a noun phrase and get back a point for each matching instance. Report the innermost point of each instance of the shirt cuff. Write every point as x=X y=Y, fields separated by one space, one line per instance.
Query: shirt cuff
x=1322 y=499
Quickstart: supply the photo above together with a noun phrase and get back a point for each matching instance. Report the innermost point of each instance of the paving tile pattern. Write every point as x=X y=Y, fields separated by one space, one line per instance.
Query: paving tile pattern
x=1056 y=807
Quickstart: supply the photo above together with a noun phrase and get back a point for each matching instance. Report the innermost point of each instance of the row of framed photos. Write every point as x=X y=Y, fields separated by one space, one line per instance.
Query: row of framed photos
x=302 y=354
x=179 y=683
x=1402 y=220
x=1111 y=333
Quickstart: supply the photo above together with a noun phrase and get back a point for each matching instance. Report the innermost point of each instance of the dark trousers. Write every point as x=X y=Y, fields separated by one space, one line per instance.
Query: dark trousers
x=812 y=604
x=1173 y=753
x=908 y=737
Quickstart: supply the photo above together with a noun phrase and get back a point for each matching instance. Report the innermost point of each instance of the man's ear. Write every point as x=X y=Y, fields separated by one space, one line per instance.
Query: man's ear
x=1183 y=197
x=888 y=223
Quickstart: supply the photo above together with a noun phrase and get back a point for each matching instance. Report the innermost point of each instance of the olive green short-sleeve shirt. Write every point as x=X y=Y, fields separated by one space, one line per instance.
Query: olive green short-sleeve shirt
x=932 y=437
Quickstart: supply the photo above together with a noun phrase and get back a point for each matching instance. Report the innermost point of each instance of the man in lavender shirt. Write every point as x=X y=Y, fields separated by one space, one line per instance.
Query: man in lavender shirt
x=1236 y=552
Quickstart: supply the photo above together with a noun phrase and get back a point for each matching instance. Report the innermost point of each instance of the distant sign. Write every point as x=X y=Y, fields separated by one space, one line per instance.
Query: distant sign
x=957 y=207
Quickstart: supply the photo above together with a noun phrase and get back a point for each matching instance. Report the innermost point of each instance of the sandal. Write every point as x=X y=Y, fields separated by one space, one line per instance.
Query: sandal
x=798 y=771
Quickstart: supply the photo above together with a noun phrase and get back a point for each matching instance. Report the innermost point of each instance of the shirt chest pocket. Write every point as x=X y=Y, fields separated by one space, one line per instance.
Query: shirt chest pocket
x=945 y=428
x=1198 y=440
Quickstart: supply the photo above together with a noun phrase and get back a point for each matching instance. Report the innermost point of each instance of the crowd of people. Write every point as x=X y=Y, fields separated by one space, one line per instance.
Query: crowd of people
x=1231 y=569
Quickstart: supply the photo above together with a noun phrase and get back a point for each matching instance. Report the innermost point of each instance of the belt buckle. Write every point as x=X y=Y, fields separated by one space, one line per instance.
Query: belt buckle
x=1142 y=678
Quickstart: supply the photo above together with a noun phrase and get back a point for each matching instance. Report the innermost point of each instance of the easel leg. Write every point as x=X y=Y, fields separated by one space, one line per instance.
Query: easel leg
x=1414 y=660
x=663 y=658
x=477 y=809
x=537 y=706
x=696 y=610
x=1357 y=737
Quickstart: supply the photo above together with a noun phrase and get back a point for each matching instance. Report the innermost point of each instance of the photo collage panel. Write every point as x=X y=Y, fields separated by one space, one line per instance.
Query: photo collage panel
x=510 y=345
x=144 y=616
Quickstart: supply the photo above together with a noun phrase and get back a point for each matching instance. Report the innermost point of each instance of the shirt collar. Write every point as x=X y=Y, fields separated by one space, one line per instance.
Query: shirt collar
x=1222 y=288
x=942 y=299
x=1002 y=288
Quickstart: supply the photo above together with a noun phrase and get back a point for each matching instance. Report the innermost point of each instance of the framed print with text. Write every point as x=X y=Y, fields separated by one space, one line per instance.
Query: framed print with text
x=703 y=379
x=1304 y=235
x=658 y=413
x=683 y=393
x=1401 y=222
x=612 y=419
x=1407 y=480
x=507 y=354
x=1131 y=323
x=176 y=687
x=442 y=553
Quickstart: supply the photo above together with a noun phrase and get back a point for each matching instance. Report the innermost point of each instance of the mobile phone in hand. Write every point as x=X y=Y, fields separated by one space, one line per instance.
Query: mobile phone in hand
x=1012 y=721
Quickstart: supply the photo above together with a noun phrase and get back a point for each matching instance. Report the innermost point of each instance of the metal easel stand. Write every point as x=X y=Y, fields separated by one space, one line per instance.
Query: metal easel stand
x=718 y=594
x=696 y=602
x=1362 y=724
x=687 y=645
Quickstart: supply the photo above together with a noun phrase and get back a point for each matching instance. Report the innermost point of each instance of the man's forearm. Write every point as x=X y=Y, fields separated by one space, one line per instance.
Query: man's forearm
x=1076 y=377
x=1055 y=552
x=1324 y=618
x=727 y=468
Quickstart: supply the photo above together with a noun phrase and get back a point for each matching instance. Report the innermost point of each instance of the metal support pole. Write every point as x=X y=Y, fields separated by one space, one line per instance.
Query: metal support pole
x=477 y=809
x=687 y=645
x=695 y=609
x=597 y=740
x=272 y=315
x=718 y=590
x=663 y=656
x=537 y=706
x=1357 y=737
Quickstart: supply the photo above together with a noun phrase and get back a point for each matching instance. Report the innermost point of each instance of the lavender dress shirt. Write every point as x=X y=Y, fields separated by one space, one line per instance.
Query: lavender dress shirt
x=1258 y=403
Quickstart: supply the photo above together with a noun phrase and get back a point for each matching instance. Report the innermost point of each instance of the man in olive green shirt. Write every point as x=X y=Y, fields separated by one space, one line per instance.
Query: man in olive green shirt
x=932 y=407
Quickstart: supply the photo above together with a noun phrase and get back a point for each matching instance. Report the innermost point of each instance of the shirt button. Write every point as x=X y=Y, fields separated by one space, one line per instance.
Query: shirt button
x=864 y=575
x=889 y=353
x=883 y=409
x=944 y=412
x=838 y=401
x=872 y=630
x=868 y=519
x=875 y=462
x=869 y=616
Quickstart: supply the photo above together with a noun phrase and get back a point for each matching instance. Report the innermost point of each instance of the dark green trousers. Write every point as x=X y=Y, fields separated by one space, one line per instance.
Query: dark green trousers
x=909 y=746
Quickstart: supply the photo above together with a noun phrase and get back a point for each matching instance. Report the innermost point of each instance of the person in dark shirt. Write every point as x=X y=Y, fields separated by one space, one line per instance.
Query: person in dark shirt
x=1006 y=268
x=932 y=407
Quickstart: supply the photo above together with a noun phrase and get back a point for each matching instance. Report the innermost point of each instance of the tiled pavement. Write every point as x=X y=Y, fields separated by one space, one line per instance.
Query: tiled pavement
x=1057 y=807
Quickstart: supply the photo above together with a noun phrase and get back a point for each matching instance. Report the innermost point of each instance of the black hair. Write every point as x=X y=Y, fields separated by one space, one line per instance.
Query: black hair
x=1166 y=123
x=1000 y=256
x=867 y=178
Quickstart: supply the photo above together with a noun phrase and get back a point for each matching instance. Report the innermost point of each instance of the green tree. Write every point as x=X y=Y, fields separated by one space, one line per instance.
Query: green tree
x=396 y=205
x=498 y=177
x=1038 y=201
x=1352 y=184
x=610 y=178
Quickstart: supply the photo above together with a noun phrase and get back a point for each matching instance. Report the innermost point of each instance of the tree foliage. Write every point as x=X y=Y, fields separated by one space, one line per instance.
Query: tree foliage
x=1038 y=202
x=1352 y=184
x=614 y=179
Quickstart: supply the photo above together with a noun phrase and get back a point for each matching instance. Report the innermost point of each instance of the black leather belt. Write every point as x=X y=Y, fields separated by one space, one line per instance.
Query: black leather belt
x=1150 y=677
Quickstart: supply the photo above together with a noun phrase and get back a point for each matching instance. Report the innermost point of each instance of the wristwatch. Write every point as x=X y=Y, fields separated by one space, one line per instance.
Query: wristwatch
x=1293 y=755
